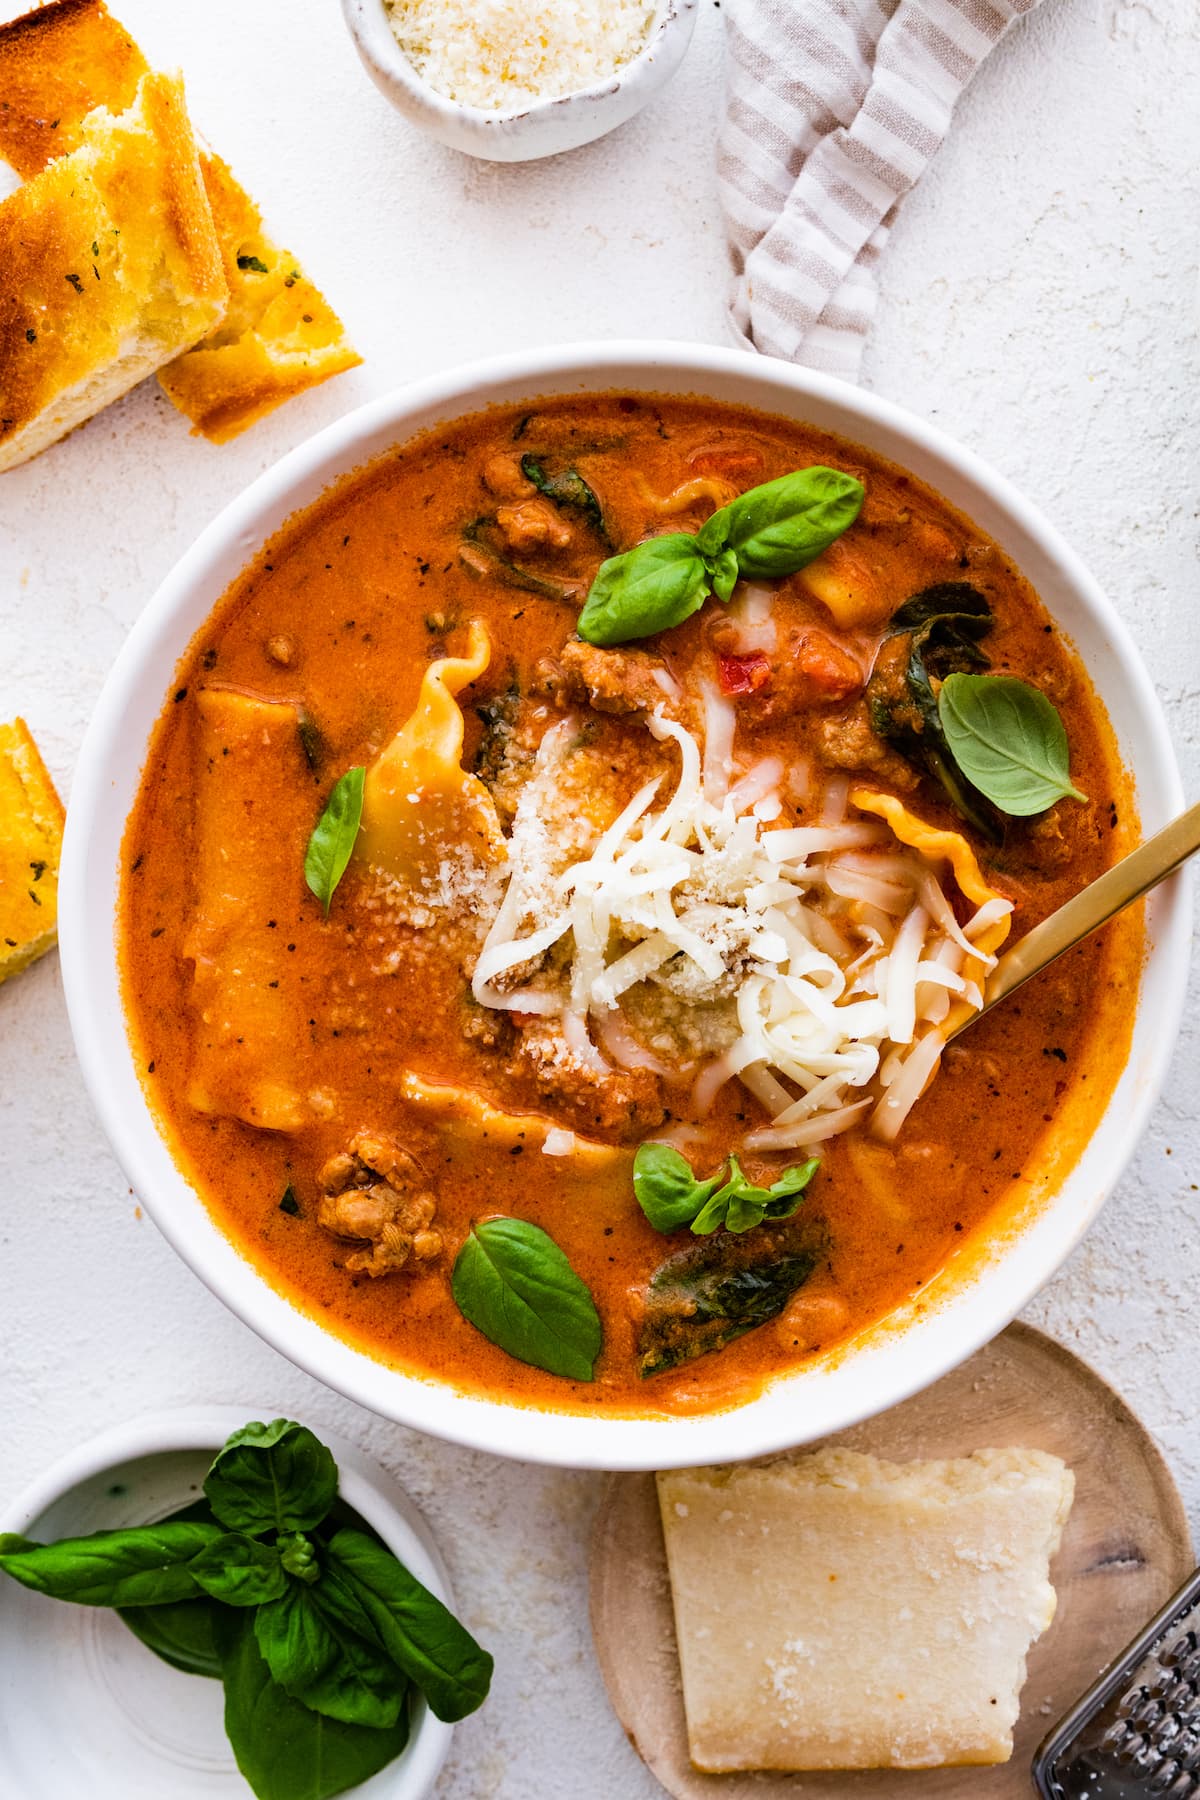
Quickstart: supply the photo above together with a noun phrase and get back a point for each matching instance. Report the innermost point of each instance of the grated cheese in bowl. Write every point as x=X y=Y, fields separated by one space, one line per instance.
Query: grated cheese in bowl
x=500 y=55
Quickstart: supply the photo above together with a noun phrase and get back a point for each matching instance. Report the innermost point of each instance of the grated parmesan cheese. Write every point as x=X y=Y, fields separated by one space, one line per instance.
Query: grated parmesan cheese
x=835 y=942
x=500 y=55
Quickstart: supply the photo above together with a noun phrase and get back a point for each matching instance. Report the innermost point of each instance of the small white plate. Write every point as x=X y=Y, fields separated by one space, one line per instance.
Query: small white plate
x=86 y=1711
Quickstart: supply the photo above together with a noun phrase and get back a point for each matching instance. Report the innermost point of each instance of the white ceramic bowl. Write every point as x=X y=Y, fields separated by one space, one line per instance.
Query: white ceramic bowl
x=913 y=1348
x=542 y=128
x=84 y=1707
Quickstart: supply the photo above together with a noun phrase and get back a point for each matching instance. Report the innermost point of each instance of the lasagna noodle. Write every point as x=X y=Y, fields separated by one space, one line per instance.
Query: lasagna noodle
x=420 y=806
x=469 y=1118
x=252 y=807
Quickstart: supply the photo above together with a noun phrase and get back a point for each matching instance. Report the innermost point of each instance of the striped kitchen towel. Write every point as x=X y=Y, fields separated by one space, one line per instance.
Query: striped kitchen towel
x=833 y=111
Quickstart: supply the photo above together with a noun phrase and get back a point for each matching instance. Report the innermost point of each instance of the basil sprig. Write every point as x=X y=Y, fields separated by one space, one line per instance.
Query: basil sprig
x=276 y=1477
x=332 y=841
x=318 y=1632
x=1008 y=740
x=780 y=527
x=766 y=533
x=285 y=1751
x=143 y=1567
x=513 y=1283
x=671 y=1197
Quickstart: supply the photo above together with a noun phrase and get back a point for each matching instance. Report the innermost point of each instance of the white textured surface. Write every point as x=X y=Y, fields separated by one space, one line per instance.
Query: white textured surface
x=1039 y=300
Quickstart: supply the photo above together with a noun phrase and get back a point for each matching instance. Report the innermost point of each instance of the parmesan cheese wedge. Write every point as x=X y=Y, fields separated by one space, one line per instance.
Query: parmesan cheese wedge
x=838 y=1612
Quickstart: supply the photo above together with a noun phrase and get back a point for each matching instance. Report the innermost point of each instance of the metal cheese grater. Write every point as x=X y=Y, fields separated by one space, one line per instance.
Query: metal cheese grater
x=1135 y=1735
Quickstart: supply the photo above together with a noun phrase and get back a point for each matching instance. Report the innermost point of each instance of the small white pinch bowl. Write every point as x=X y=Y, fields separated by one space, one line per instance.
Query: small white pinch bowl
x=540 y=128
x=85 y=1709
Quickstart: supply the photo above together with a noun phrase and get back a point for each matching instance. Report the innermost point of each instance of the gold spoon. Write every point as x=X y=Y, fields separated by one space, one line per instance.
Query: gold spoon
x=1092 y=907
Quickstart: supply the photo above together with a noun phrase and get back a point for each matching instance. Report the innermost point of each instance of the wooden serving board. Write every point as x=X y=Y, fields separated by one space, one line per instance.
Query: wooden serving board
x=1125 y=1550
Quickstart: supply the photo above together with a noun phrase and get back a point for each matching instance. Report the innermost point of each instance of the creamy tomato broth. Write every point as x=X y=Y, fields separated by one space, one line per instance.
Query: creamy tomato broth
x=716 y=887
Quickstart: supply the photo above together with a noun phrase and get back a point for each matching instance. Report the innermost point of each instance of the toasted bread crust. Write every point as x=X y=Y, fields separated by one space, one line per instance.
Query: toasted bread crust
x=31 y=824
x=280 y=336
x=57 y=64
x=109 y=266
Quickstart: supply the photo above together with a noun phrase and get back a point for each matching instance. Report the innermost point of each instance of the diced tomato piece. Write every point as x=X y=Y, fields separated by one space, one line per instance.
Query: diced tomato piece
x=743 y=674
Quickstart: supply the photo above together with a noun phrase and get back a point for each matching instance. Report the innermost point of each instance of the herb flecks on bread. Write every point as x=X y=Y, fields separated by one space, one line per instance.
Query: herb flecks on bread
x=31 y=823
x=278 y=336
x=111 y=266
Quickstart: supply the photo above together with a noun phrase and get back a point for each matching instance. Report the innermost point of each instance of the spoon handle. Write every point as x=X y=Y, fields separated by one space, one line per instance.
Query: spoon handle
x=1093 y=906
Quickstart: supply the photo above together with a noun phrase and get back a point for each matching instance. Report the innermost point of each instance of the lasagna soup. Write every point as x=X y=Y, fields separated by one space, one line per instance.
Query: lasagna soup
x=558 y=868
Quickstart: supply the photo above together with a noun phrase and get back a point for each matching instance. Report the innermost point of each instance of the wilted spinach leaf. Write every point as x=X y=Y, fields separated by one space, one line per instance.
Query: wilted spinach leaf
x=481 y=553
x=704 y=1297
x=498 y=716
x=934 y=634
x=567 y=489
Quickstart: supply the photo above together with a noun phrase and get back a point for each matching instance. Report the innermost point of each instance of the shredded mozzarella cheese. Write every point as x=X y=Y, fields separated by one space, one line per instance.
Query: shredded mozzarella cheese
x=841 y=946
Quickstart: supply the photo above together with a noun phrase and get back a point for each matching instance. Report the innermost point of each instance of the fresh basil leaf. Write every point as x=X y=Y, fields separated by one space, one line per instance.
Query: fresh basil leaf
x=293 y=1638
x=181 y=1633
x=714 y=1211
x=747 y=1205
x=332 y=841
x=670 y=1196
x=239 y=1572
x=421 y=1636
x=145 y=1566
x=566 y=489
x=781 y=526
x=320 y=1646
x=298 y=1557
x=792 y=1184
x=275 y=1477
x=1008 y=740
x=650 y=588
x=665 y=1187
x=513 y=1283
x=723 y=573
x=285 y=1751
